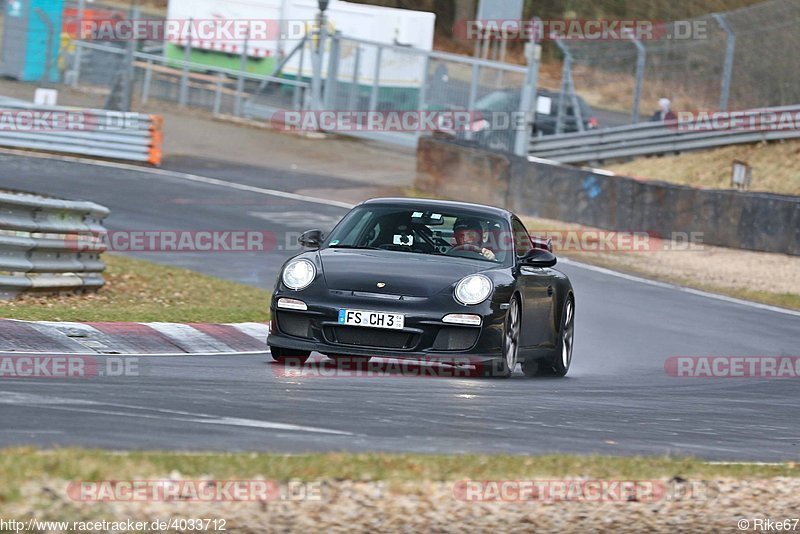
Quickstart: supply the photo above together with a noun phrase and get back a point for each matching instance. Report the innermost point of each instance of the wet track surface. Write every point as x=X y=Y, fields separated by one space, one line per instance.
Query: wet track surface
x=618 y=399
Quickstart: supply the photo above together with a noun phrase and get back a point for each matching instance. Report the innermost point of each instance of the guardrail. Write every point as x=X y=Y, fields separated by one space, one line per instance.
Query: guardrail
x=653 y=138
x=88 y=132
x=44 y=245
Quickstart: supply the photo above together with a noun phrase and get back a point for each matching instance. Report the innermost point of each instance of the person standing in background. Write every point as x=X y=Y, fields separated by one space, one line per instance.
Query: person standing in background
x=664 y=113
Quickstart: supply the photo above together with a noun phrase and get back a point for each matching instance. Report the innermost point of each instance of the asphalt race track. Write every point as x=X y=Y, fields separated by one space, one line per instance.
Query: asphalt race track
x=617 y=399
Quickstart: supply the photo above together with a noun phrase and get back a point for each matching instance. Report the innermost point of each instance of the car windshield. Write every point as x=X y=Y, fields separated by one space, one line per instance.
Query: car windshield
x=497 y=101
x=424 y=230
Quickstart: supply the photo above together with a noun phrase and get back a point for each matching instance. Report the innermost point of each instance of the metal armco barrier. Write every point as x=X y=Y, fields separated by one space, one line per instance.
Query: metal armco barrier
x=92 y=132
x=44 y=245
x=652 y=138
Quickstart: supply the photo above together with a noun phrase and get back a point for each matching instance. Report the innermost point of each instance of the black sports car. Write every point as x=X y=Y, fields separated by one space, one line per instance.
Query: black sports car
x=426 y=279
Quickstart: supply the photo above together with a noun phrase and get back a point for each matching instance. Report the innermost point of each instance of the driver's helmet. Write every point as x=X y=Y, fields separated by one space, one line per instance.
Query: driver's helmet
x=467 y=230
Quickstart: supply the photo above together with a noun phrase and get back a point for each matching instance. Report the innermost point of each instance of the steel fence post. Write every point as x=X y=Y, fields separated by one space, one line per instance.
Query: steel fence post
x=565 y=72
x=352 y=99
x=423 y=91
x=237 y=105
x=183 y=92
x=376 y=76
x=316 y=58
x=527 y=101
x=297 y=98
x=128 y=79
x=76 y=66
x=332 y=79
x=727 y=68
x=218 y=93
x=641 y=57
x=148 y=78
x=473 y=94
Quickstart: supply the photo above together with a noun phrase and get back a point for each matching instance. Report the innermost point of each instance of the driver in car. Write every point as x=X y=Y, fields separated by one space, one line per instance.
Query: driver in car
x=468 y=234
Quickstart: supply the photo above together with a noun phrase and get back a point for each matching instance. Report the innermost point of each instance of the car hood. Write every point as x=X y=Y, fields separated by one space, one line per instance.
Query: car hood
x=404 y=273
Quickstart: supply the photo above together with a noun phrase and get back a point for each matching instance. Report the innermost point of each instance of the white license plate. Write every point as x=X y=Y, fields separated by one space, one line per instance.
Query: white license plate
x=371 y=319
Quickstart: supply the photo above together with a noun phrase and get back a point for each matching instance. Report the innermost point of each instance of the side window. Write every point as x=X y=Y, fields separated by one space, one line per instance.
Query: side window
x=522 y=240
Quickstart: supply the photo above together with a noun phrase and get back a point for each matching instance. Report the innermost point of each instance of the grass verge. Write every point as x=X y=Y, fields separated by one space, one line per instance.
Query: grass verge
x=774 y=168
x=142 y=291
x=20 y=465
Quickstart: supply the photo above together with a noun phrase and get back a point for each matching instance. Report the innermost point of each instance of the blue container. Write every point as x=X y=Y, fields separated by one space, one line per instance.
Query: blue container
x=28 y=26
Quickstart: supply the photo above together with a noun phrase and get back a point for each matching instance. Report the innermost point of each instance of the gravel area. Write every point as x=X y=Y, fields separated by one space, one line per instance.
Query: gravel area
x=347 y=506
x=699 y=264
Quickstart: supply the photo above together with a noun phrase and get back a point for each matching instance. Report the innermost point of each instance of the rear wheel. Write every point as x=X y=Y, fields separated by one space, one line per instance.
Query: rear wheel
x=284 y=356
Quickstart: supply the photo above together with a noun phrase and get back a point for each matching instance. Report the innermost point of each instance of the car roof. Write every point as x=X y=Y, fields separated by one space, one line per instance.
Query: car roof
x=428 y=203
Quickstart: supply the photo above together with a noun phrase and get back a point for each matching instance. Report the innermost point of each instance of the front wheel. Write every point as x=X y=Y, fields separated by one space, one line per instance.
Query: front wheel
x=284 y=356
x=559 y=363
x=505 y=367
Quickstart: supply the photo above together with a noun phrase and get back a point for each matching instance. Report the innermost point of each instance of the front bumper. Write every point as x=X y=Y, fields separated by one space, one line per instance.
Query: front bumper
x=424 y=336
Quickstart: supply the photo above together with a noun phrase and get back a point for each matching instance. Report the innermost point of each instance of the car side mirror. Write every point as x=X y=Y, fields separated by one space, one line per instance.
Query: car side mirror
x=311 y=238
x=537 y=257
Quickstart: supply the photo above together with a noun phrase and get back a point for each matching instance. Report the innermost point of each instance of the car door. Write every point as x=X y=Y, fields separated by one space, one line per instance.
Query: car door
x=538 y=288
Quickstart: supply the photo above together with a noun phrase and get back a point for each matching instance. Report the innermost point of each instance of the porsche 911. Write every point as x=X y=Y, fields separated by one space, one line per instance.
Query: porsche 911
x=430 y=280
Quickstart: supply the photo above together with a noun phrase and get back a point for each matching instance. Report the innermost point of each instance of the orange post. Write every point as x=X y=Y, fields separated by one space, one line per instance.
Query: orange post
x=157 y=138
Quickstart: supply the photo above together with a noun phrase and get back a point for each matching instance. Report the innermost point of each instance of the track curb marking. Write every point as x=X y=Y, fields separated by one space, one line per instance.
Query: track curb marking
x=128 y=339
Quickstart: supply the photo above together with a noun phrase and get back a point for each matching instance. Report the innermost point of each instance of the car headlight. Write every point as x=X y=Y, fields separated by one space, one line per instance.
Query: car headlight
x=473 y=289
x=298 y=274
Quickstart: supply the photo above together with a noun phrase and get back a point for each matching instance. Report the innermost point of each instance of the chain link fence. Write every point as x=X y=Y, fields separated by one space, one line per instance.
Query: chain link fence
x=739 y=59
x=154 y=76
x=366 y=76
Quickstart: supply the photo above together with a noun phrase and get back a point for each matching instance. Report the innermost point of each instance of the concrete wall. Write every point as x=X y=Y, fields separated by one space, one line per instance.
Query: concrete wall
x=754 y=221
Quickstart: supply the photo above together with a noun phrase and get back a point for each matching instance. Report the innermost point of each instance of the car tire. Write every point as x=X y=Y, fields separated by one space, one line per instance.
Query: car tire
x=284 y=356
x=504 y=367
x=559 y=363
